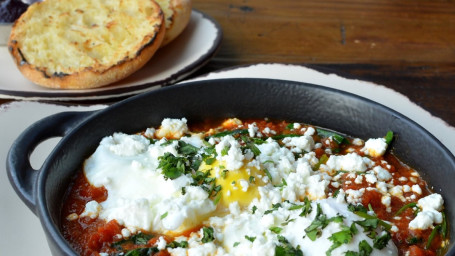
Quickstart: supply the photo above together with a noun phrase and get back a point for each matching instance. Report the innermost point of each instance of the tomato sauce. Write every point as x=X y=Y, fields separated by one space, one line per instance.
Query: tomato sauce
x=91 y=236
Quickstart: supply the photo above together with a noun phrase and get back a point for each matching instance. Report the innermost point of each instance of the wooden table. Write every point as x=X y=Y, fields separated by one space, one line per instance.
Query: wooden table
x=408 y=46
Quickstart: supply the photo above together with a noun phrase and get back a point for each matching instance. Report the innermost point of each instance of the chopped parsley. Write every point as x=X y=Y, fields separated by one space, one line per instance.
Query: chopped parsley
x=286 y=249
x=226 y=133
x=282 y=136
x=207 y=235
x=287 y=221
x=342 y=237
x=276 y=230
x=253 y=209
x=137 y=239
x=381 y=241
x=164 y=215
x=225 y=151
x=186 y=148
x=402 y=209
x=339 y=139
x=250 y=145
x=319 y=223
x=274 y=208
x=364 y=249
x=268 y=174
x=389 y=137
x=142 y=251
x=322 y=160
x=175 y=244
x=172 y=166
x=250 y=238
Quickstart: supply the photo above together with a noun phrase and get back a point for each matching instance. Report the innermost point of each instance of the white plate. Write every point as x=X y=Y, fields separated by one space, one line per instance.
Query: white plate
x=17 y=222
x=191 y=50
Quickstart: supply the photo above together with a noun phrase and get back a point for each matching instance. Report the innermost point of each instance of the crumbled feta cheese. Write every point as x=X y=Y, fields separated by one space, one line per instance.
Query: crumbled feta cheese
x=430 y=206
x=351 y=162
x=375 y=147
x=244 y=184
x=403 y=179
x=406 y=188
x=358 y=179
x=234 y=158
x=126 y=232
x=386 y=201
x=299 y=144
x=382 y=174
x=357 y=142
x=310 y=131
x=126 y=145
x=371 y=178
x=161 y=243
x=425 y=219
x=252 y=129
x=398 y=192
x=172 y=128
x=72 y=216
x=416 y=189
x=317 y=187
x=433 y=201
x=354 y=196
x=382 y=187
x=91 y=210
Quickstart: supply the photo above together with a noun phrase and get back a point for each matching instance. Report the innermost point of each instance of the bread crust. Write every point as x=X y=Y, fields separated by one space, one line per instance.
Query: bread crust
x=90 y=76
x=177 y=22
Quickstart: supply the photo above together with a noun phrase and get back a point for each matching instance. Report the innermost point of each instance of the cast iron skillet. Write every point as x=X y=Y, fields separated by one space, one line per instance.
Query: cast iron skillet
x=43 y=190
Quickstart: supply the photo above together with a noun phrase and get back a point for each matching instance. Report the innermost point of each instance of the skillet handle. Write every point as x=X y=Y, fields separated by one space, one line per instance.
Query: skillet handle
x=20 y=172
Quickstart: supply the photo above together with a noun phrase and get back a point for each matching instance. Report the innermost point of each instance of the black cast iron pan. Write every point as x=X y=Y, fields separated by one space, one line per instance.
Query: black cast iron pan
x=43 y=190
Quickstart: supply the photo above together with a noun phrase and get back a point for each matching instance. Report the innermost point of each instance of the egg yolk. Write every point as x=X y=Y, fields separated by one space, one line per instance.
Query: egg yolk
x=236 y=185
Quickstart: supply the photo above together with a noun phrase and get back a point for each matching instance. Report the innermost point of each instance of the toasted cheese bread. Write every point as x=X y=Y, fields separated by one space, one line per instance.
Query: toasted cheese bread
x=79 y=44
x=177 y=14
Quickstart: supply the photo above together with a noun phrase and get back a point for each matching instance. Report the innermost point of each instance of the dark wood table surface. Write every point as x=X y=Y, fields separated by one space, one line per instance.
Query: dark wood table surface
x=408 y=46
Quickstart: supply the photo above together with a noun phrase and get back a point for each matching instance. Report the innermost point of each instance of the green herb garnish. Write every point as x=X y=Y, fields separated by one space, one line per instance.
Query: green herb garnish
x=175 y=244
x=339 y=139
x=172 y=166
x=319 y=223
x=322 y=160
x=389 y=137
x=274 y=208
x=137 y=239
x=232 y=133
x=381 y=241
x=402 y=209
x=250 y=145
x=207 y=234
x=286 y=249
x=250 y=238
x=142 y=251
x=275 y=230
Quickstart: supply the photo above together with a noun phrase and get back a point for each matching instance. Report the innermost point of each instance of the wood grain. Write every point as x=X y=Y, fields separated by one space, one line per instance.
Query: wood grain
x=408 y=46
x=373 y=32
